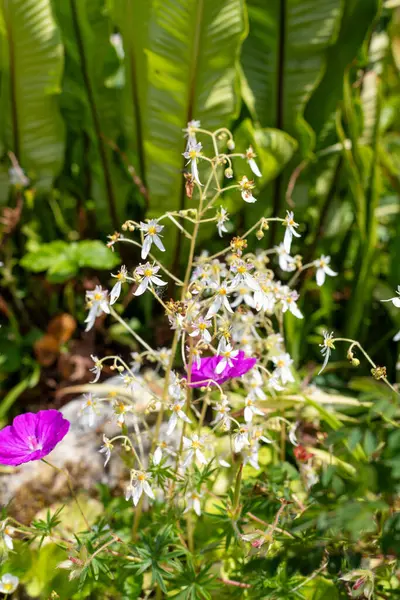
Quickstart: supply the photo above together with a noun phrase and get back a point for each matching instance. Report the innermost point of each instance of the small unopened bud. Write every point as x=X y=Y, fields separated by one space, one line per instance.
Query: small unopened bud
x=260 y=234
x=355 y=362
x=120 y=369
x=350 y=355
x=230 y=144
x=228 y=173
x=264 y=225
x=188 y=296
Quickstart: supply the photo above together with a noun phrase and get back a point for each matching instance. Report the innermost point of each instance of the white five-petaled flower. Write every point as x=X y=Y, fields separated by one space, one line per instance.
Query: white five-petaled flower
x=193 y=502
x=255 y=386
x=116 y=290
x=222 y=217
x=273 y=382
x=242 y=275
x=151 y=229
x=89 y=409
x=289 y=302
x=148 y=274
x=200 y=328
x=96 y=370
x=97 y=303
x=227 y=353
x=282 y=367
x=241 y=439
x=177 y=412
x=243 y=295
x=220 y=299
x=193 y=153
x=250 y=410
x=8 y=583
x=106 y=449
x=250 y=156
x=7 y=532
x=290 y=225
x=286 y=262
x=139 y=484
x=323 y=269
x=222 y=417
x=121 y=409
x=245 y=186
x=326 y=349
x=396 y=302
x=190 y=132
x=194 y=448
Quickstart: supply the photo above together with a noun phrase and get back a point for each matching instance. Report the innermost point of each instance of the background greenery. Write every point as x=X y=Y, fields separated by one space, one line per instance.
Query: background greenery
x=95 y=121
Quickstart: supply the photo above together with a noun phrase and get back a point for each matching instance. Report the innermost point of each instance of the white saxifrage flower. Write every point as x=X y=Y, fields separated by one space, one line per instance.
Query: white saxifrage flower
x=291 y=226
x=96 y=369
x=89 y=409
x=117 y=288
x=222 y=291
x=242 y=276
x=201 y=327
x=148 y=275
x=323 y=269
x=190 y=132
x=97 y=303
x=151 y=231
x=250 y=410
x=246 y=186
x=256 y=386
x=139 y=484
x=396 y=302
x=106 y=449
x=227 y=353
x=250 y=156
x=282 y=364
x=241 y=439
x=326 y=349
x=192 y=154
x=222 y=217
x=177 y=413
x=289 y=303
x=8 y=583
x=194 y=448
x=286 y=262
x=193 y=502
x=222 y=416
x=6 y=533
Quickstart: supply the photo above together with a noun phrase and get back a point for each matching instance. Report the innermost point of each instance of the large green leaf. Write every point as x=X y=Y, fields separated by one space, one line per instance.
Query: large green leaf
x=31 y=63
x=284 y=58
x=193 y=48
x=132 y=18
x=357 y=20
x=91 y=108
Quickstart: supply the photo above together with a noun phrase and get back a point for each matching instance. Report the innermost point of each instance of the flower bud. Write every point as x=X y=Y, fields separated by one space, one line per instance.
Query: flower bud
x=355 y=362
x=230 y=144
x=228 y=173
x=260 y=234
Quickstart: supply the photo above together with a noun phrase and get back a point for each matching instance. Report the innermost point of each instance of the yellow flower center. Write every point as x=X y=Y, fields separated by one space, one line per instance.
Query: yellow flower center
x=98 y=296
x=148 y=272
x=152 y=230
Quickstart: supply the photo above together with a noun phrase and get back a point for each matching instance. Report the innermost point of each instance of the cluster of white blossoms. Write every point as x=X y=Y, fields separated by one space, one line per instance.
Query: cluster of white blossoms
x=227 y=324
x=396 y=302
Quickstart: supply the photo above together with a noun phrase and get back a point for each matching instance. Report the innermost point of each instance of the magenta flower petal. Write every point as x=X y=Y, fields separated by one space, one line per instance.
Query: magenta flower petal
x=32 y=436
x=206 y=372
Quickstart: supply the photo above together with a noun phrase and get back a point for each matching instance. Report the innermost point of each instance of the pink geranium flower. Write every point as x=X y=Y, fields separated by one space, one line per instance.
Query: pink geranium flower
x=205 y=373
x=32 y=436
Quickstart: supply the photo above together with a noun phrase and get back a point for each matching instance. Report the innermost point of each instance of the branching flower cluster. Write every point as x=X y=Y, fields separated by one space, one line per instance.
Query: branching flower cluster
x=228 y=330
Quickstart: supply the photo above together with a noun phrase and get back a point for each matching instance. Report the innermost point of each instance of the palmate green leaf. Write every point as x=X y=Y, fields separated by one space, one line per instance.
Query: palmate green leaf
x=91 y=108
x=31 y=63
x=192 y=53
x=283 y=59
